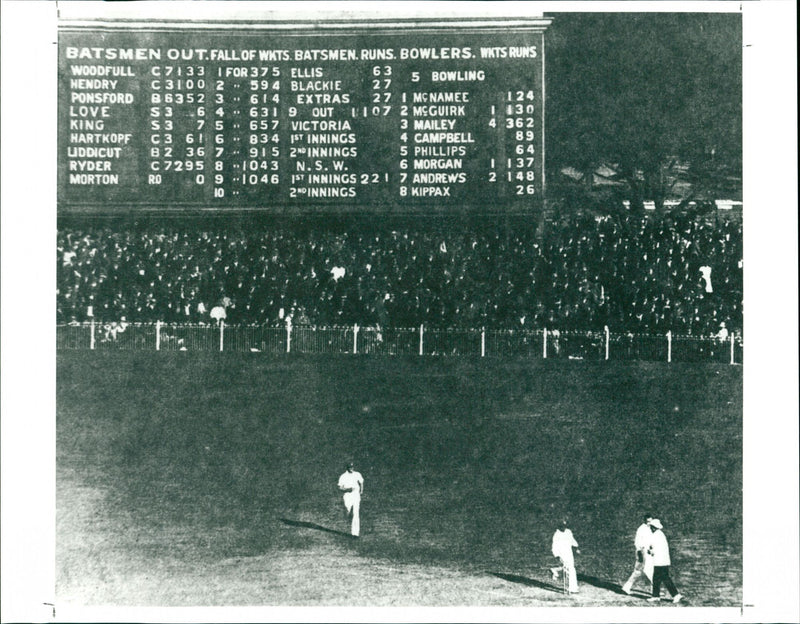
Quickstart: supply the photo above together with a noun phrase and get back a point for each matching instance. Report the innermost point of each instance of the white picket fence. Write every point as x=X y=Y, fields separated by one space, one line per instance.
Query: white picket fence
x=538 y=343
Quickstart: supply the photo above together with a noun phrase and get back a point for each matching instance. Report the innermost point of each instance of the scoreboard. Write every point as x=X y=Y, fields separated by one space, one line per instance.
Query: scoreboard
x=230 y=117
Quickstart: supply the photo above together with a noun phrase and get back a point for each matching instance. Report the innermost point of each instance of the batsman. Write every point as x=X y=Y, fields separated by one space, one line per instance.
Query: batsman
x=563 y=543
x=352 y=484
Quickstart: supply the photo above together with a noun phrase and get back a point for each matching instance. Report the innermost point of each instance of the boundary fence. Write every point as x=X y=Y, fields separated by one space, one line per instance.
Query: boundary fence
x=535 y=343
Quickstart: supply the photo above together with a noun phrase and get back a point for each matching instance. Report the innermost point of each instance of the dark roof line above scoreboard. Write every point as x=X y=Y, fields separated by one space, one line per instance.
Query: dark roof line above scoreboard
x=468 y=26
x=303 y=12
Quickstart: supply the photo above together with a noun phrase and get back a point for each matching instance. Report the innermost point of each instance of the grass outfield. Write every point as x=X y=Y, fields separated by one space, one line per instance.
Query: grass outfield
x=210 y=478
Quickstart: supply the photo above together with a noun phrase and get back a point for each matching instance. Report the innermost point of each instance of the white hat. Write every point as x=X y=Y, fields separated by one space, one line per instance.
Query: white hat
x=655 y=522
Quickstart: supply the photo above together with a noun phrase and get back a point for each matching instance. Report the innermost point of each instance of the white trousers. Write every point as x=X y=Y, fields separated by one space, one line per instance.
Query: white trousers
x=352 y=505
x=572 y=576
x=640 y=569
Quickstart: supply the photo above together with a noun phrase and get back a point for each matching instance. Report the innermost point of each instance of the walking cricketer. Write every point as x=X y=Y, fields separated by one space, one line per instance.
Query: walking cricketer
x=643 y=566
x=352 y=484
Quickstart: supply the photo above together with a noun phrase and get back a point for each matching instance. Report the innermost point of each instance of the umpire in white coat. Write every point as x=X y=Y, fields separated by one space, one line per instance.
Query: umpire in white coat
x=659 y=550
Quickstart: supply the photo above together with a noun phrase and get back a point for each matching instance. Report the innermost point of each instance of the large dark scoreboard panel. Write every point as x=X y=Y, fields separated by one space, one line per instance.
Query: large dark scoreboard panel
x=398 y=121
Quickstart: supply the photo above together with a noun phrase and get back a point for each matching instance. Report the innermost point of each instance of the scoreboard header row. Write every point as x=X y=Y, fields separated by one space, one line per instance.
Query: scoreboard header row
x=415 y=120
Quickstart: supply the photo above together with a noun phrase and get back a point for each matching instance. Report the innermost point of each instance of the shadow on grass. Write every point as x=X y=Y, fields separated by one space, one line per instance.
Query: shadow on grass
x=602 y=584
x=311 y=525
x=524 y=580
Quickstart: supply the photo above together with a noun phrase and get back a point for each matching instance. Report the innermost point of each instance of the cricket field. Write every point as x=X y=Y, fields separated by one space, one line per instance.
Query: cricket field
x=195 y=479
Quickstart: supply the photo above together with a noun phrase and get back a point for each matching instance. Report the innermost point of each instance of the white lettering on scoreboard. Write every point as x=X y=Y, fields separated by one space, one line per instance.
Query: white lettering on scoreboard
x=261 y=121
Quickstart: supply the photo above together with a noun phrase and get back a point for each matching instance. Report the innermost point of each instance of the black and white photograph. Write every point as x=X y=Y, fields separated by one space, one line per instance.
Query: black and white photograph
x=358 y=311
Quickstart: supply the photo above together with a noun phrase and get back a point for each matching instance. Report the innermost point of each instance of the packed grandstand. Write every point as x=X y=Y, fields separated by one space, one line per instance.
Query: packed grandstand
x=679 y=271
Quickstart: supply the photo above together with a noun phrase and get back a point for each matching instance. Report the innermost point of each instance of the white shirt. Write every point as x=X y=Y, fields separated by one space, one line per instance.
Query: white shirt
x=563 y=542
x=706 y=271
x=643 y=537
x=659 y=549
x=351 y=482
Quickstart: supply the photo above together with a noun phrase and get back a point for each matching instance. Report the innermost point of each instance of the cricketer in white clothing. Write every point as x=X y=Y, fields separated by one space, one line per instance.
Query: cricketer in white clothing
x=644 y=563
x=352 y=484
x=563 y=543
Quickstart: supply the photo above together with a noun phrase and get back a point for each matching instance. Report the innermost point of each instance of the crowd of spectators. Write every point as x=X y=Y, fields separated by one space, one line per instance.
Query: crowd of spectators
x=632 y=273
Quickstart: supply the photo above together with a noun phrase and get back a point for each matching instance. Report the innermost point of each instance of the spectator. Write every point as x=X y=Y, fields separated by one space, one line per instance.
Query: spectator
x=581 y=272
